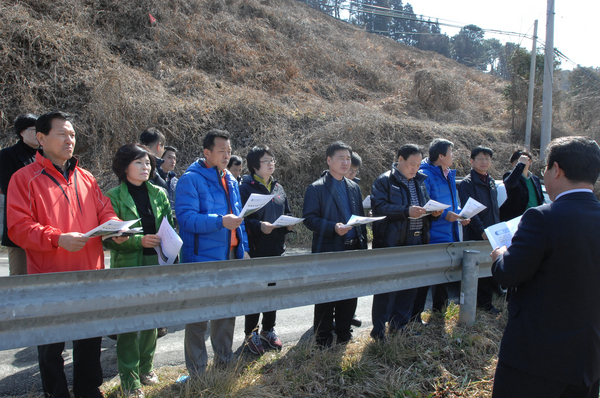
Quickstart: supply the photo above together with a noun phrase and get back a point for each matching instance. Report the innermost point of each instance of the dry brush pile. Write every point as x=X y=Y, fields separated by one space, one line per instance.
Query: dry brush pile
x=269 y=71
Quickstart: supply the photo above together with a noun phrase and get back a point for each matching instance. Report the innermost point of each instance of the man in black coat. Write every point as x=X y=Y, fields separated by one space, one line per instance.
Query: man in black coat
x=551 y=344
x=480 y=186
x=329 y=203
x=523 y=189
x=12 y=159
x=399 y=194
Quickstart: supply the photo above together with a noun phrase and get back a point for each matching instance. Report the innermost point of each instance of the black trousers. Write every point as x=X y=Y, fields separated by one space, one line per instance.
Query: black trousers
x=343 y=311
x=268 y=322
x=87 y=371
x=513 y=383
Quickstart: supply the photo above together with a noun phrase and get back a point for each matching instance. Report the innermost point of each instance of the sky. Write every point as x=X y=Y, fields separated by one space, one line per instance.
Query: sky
x=575 y=23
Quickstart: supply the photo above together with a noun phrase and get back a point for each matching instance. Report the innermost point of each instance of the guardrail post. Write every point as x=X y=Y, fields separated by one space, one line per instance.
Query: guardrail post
x=468 y=287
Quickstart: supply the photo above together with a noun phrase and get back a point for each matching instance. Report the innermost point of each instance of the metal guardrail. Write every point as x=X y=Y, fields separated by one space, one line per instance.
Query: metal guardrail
x=49 y=308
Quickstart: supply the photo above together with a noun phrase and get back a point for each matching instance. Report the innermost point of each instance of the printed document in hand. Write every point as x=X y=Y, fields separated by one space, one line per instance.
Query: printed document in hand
x=357 y=220
x=432 y=206
x=110 y=227
x=170 y=243
x=501 y=234
x=367 y=202
x=255 y=203
x=284 y=221
x=470 y=209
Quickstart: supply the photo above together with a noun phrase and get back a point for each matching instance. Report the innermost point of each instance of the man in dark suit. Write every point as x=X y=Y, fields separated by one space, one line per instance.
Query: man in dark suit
x=551 y=344
x=523 y=189
x=329 y=203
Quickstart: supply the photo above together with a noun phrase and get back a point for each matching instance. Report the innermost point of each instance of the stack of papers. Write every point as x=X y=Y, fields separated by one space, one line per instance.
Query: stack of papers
x=470 y=209
x=432 y=206
x=254 y=203
x=501 y=234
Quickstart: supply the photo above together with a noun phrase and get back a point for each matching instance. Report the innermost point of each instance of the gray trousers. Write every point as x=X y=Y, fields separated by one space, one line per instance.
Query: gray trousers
x=221 y=338
x=17 y=261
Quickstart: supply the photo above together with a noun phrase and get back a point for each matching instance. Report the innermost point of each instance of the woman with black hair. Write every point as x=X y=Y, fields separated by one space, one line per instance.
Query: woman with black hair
x=265 y=239
x=137 y=198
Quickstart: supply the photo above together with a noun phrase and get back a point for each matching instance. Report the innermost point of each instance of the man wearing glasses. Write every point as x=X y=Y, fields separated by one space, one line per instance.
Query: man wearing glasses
x=12 y=159
x=480 y=186
x=551 y=344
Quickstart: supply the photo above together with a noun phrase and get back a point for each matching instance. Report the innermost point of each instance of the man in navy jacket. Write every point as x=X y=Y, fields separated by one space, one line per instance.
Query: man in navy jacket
x=329 y=203
x=551 y=344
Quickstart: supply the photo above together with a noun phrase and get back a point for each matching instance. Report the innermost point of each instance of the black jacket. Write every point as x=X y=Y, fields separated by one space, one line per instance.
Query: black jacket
x=12 y=159
x=517 y=194
x=322 y=211
x=486 y=194
x=265 y=245
x=553 y=328
x=159 y=178
x=391 y=198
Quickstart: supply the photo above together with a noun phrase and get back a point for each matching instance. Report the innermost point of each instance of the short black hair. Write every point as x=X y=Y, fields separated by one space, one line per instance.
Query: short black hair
x=43 y=124
x=578 y=157
x=127 y=154
x=151 y=136
x=407 y=150
x=209 y=139
x=169 y=148
x=356 y=160
x=253 y=157
x=337 y=146
x=481 y=149
x=438 y=147
x=235 y=160
x=23 y=122
x=518 y=153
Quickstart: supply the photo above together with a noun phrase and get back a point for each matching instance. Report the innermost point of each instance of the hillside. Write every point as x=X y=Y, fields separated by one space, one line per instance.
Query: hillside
x=269 y=71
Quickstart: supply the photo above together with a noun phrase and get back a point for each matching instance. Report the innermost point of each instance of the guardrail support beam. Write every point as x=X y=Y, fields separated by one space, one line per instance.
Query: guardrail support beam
x=468 y=287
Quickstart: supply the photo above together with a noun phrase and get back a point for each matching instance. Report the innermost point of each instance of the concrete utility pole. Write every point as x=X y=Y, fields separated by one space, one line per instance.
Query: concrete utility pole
x=531 y=86
x=548 y=83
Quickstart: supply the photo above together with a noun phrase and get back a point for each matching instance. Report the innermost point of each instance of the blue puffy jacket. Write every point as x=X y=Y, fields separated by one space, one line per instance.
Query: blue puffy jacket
x=441 y=190
x=200 y=206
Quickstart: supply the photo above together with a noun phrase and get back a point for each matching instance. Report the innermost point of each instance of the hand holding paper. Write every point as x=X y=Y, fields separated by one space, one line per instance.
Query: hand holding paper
x=357 y=220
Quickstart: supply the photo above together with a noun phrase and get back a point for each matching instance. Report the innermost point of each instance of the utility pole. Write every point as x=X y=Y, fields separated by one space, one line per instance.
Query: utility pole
x=548 y=70
x=531 y=86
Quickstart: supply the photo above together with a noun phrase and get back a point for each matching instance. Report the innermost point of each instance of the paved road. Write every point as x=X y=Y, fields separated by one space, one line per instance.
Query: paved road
x=19 y=370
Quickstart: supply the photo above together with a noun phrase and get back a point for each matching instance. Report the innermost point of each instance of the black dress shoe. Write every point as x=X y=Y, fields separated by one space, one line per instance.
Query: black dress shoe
x=355 y=321
x=161 y=332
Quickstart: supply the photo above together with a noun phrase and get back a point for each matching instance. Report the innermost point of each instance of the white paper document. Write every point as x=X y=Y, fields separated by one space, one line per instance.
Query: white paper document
x=170 y=243
x=367 y=202
x=357 y=220
x=284 y=221
x=430 y=207
x=501 y=234
x=110 y=227
x=255 y=203
x=471 y=208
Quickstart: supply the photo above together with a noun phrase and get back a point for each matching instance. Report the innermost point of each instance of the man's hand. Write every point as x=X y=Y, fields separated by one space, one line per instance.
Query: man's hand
x=416 y=211
x=231 y=221
x=72 y=241
x=246 y=255
x=452 y=216
x=266 y=227
x=497 y=252
x=484 y=236
x=437 y=213
x=150 y=241
x=466 y=222
x=291 y=227
x=341 y=230
x=120 y=239
x=525 y=160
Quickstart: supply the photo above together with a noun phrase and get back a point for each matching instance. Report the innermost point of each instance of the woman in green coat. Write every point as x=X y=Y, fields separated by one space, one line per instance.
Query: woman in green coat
x=137 y=198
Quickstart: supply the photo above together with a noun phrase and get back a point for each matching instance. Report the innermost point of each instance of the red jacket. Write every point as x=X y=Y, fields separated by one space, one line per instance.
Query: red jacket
x=42 y=205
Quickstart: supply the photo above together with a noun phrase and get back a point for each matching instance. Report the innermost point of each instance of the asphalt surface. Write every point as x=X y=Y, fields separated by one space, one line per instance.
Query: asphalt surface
x=19 y=373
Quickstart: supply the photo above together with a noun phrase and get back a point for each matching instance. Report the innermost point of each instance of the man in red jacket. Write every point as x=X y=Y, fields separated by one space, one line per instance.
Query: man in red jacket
x=52 y=203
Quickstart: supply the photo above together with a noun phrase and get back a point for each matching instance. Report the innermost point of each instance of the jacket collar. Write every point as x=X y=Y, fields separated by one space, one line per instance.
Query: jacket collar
x=50 y=167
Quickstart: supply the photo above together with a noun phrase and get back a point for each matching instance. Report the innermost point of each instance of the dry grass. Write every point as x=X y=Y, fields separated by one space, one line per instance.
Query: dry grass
x=443 y=359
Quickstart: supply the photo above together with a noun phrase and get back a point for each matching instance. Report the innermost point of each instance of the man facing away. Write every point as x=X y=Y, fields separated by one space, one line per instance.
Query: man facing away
x=399 y=194
x=207 y=207
x=12 y=159
x=52 y=203
x=329 y=203
x=551 y=344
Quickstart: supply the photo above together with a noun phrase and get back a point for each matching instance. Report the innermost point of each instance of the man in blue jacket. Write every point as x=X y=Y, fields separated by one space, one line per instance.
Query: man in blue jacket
x=441 y=186
x=207 y=207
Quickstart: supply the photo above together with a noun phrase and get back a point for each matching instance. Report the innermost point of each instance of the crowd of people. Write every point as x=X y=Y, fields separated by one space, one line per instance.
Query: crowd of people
x=51 y=202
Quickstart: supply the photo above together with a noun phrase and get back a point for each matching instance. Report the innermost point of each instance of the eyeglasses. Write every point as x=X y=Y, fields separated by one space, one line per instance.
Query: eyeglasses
x=32 y=129
x=483 y=159
x=269 y=161
x=352 y=171
x=544 y=170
